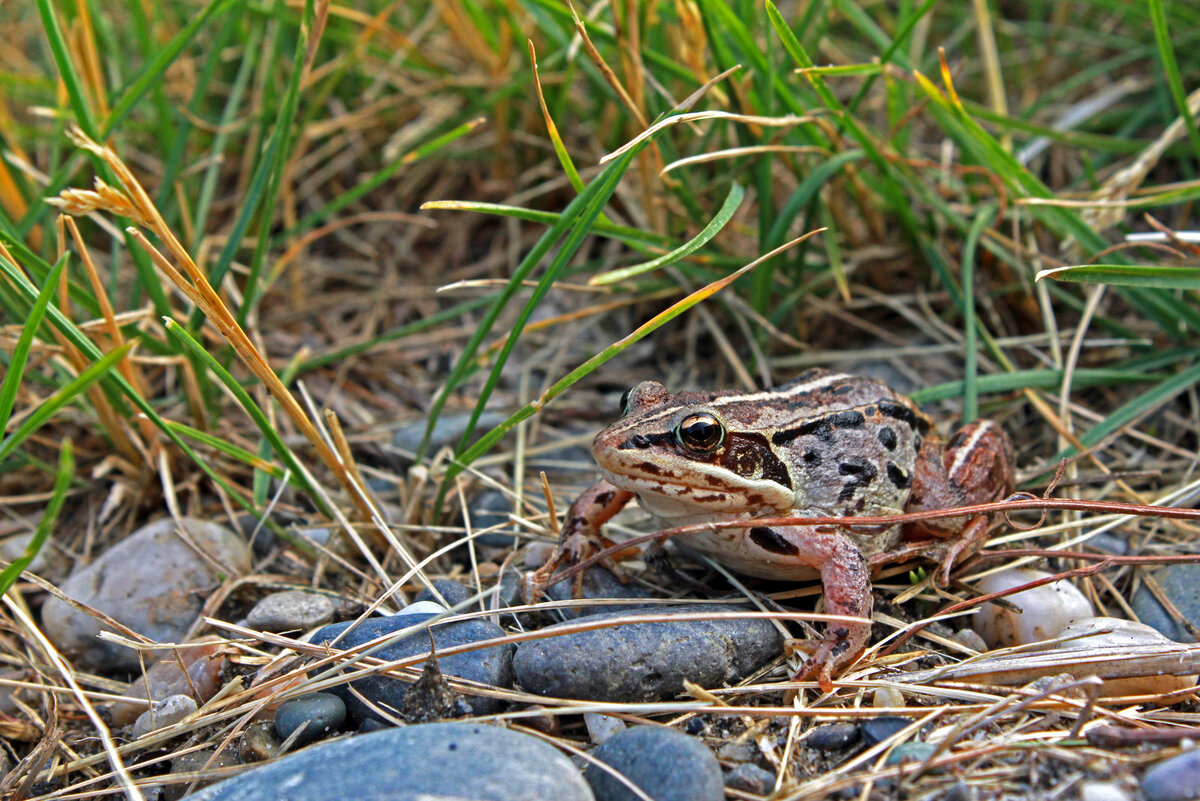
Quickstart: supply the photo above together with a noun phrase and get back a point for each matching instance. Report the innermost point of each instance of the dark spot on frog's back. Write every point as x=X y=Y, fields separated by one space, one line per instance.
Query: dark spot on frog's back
x=860 y=473
x=887 y=438
x=770 y=540
x=821 y=426
x=897 y=475
x=812 y=457
x=898 y=411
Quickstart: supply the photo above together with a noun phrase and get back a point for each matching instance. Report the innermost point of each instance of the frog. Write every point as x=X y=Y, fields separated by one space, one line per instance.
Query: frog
x=823 y=445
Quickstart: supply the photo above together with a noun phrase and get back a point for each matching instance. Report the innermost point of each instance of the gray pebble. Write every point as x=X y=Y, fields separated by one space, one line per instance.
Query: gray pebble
x=452 y=591
x=152 y=581
x=667 y=765
x=163 y=713
x=646 y=661
x=13 y=548
x=492 y=666
x=1181 y=584
x=291 y=610
x=1174 y=779
x=876 y=730
x=433 y=760
x=598 y=583
x=446 y=432
x=319 y=714
x=491 y=508
x=750 y=778
x=833 y=736
x=911 y=752
x=203 y=762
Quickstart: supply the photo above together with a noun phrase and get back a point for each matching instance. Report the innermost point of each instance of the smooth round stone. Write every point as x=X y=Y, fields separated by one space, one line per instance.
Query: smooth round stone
x=492 y=666
x=1181 y=584
x=316 y=714
x=166 y=712
x=646 y=661
x=750 y=778
x=290 y=610
x=833 y=736
x=598 y=583
x=667 y=765
x=194 y=669
x=13 y=548
x=1045 y=610
x=414 y=763
x=152 y=581
x=876 y=730
x=453 y=593
x=1174 y=779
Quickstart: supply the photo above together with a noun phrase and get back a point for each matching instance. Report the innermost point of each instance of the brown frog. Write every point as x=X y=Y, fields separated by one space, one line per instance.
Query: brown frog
x=823 y=445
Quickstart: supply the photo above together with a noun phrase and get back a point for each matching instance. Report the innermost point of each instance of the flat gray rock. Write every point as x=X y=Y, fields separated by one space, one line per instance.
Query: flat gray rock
x=290 y=610
x=667 y=765
x=1180 y=583
x=153 y=581
x=416 y=763
x=491 y=666
x=646 y=661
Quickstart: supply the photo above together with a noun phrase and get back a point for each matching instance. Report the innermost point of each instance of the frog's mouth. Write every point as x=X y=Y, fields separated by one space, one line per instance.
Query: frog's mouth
x=700 y=488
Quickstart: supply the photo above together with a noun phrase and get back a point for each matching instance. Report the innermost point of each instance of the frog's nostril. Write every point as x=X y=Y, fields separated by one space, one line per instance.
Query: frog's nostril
x=639 y=441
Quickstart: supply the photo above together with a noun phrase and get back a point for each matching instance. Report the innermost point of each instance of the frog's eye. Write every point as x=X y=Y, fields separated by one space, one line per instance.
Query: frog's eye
x=625 y=401
x=700 y=433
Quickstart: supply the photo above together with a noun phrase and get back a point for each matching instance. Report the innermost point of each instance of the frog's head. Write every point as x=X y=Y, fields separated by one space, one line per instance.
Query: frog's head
x=694 y=452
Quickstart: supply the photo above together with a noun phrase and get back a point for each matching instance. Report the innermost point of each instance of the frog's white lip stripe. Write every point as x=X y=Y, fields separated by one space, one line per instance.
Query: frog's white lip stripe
x=765 y=396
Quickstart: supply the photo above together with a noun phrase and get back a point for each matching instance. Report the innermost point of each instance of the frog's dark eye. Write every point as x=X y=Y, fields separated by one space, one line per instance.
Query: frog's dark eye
x=700 y=433
x=625 y=401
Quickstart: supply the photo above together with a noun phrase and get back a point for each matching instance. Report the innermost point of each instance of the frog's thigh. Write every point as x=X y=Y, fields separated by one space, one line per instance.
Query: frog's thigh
x=845 y=575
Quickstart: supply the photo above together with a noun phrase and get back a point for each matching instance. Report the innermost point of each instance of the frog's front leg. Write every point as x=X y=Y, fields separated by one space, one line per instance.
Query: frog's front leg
x=580 y=537
x=845 y=584
x=975 y=467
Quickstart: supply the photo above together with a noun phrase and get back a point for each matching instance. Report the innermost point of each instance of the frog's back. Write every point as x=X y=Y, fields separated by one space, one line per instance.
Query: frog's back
x=852 y=445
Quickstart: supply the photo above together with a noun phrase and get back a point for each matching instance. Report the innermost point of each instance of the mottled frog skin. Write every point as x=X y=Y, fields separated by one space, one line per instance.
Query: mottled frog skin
x=823 y=445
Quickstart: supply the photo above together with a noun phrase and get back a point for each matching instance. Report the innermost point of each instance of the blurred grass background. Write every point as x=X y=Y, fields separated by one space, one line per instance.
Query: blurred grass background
x=950 y=151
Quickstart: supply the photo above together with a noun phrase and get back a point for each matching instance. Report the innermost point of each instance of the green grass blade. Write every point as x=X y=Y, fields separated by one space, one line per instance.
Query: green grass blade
x=1033 y=379
x=488 y=440
x=1166 y=54
x=62 y=482
x=568 y=217
x=970 y=323
x=256 y=414
x=1143 y=275
x=581 y=228
x=93 y=373
x=20 y=353
x=71 y=79
x=732 y=202
x=153 y=72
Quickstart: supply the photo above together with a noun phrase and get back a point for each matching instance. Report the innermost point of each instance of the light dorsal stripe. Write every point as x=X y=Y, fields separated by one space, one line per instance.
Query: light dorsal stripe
x=964 y=453
x=765 y=396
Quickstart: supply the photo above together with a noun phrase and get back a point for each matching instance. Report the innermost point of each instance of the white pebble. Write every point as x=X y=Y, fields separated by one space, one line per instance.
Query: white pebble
x=422 y=608
x=888 y=698
x=161 y=714
x=1045 y=610
x=1101 y=791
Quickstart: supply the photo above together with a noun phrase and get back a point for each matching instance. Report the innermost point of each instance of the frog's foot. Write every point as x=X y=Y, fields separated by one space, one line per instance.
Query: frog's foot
x=950 y=552
x=574 y=548
x=832 y=652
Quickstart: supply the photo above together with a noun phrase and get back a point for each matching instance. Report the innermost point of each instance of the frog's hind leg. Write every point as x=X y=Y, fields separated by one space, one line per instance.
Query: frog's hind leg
x=975 y=467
